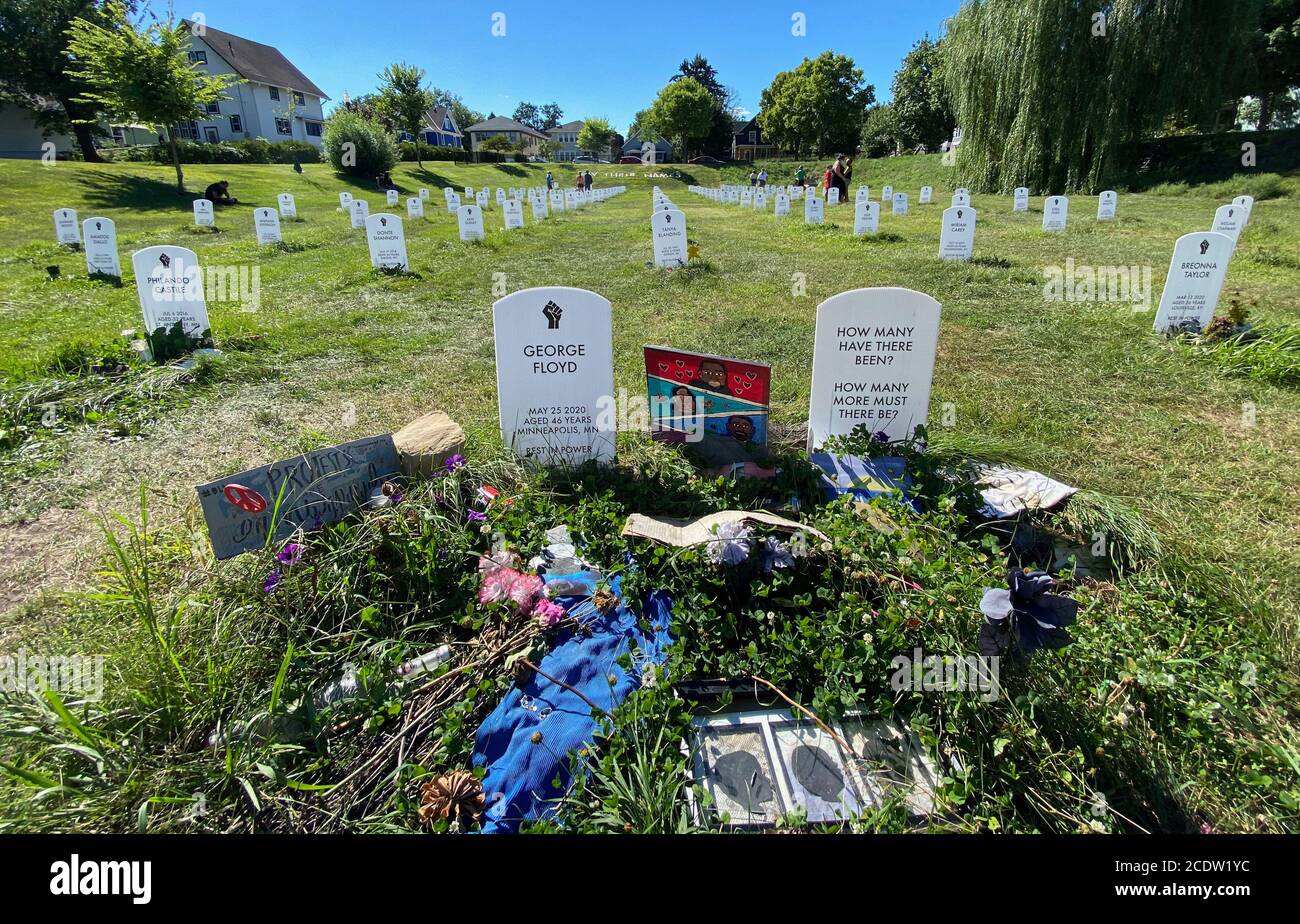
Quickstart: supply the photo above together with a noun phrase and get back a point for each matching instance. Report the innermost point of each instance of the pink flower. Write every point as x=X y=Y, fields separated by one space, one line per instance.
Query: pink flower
x=496 y=586
x=548 y=614
x=525 y=590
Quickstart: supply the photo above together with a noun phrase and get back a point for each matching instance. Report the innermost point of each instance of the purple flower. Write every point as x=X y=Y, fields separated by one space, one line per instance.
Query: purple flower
x=731 y=545
x=290 y=555
x=272 y=581
x=475 y=516
x=454 y=462
x=880 y=436
x=776 y=554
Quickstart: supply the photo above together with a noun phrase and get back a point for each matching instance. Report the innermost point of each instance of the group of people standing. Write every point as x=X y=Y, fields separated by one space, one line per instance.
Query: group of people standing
x=838 y=176
x=582 y=182
x=758 y=179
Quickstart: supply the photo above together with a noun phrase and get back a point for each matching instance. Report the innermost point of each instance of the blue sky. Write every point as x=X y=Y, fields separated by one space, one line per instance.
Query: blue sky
x=605 y=58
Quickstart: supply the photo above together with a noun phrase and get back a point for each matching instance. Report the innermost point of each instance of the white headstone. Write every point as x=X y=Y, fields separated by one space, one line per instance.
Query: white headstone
x=1196 y=272
x=481 y=198
x=424 y=194
x=170 y=286
x=1021 y=203
x=66 y=229
x=1106 y=203
x=555 y=375
x=782 y=207
x=927 y=195
x=100 y=236
x=873 y=360
x=900 y=203
x=668 y=230
x=501 y=196
x=539 y=208
x=345 y=201
x=266 y=225
x=833 y=196
x=814 y=210
x=360 y=212
x=415 y=207
x=887 y=194
x=961 y=199
x=288 y=208
x=961 y=191
x=203 y=216
x=513 y=210
x=864 y=192
x=557 y=200
x=390 y=197
x=469 y=192
x=866 y=217
x=957 y=234
x=760 y=201
x=387 y=240
x=1247 y=203
x=453 y=201
x=469 y=218
x=1056 y=213
x=1229 y=219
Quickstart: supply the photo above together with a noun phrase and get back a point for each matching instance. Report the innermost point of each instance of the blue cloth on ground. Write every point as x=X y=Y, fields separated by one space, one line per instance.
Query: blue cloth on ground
x=863 y=478
x=519 y=784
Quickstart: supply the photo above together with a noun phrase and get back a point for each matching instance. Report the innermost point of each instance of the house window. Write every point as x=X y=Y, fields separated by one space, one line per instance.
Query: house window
x=198 y=57
x=299 y=99
x=753 y=137
x=314 y=129
x=236 y=124
x=213 y=108
x=283 y=127
x=275 y=93
x=189 y=131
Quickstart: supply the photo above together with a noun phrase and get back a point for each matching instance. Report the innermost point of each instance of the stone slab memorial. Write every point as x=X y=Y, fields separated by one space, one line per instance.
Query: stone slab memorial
x=1229 y=219
x=414 y=207
x=957 y=233
x=390 y=197
x=288 y=207
x=668 y=231
x=866 y=217
x=1020 y=199
x=423 y=193
x=306 y=492
x=539 y=208
x=453 y=201
x=960 y=200
x=1247 y=203
x=833 y=196
x=1106 y=204
x=360 y=212
x=345 y=201
x=1056 y=213
x=387 y=241
x=886 y=194
x=555 y=375
x=66 y=229
x=169 y=283
x=814 y=210
x=864 y=192
x=782 y=206
x=469 y=220
x=512 y=211
x=900 y=203
x=927 y=195
x=873 y=362
x=100 y=237
x=266 y=225
x=203 y=214
x=1196 y=273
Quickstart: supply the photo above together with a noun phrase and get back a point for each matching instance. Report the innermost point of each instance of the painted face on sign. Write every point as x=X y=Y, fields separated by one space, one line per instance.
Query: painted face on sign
x=741 y=429
x=712 y=375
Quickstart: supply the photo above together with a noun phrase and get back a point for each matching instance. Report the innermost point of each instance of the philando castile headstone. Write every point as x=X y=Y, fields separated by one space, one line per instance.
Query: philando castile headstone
x=1196 y=272
x=170 y=286
x=873 y=361
x=555 y=374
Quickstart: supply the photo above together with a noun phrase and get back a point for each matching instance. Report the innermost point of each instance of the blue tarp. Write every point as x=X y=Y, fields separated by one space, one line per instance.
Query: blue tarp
x=863 y=478
x=521 y=773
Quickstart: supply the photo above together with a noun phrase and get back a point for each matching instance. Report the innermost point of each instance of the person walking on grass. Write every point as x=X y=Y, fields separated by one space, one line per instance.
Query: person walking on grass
x=753 y=178
x=550 y=181
x=762 y=178
x=799 y=176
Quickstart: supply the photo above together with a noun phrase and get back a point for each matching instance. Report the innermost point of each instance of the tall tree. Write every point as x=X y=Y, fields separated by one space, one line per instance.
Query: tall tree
x=718 y=139
x=921 y=111
x=1275 y=57
x=594 y=136
x=541 y=118
x=818 y=107
x=404 y=100
x=682 y=112
x=1047 y=92
x=34 y=65
x=528 y=114
x=552 y=115
x=142 y=74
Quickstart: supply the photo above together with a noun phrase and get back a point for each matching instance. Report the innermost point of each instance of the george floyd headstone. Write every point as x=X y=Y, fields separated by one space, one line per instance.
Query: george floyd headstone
x=957 y=234
x=345 y=202
x=390 y=197
x=266 y=225
x=668 y=231
x=170 y=287
x=360 y=212
x=288 y=208
x=900 y=203
x=66 y=229
x=1247 y=203
x=513 y=211
x=100 y=236
x=1196 y=273
x=415 y=207
x=203 y=216
x=1021 y=199
x=1106 y=203
x=1056 y=213
x=387 y=240
x=873 y=361
x=469 y=219
x=866 y=217
x=814 y=210
x=555 y=375
x=307 y=492
x=927 y=195
x=782 y=206
x=1228 y=219
x=961 y=199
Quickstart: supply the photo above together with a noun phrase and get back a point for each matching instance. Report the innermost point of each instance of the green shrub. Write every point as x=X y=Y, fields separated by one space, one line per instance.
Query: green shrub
x=244 y=151
x=373 y=150
x=406 y=151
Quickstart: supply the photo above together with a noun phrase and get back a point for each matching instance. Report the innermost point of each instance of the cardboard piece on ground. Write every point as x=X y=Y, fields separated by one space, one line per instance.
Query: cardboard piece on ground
x=682 y=533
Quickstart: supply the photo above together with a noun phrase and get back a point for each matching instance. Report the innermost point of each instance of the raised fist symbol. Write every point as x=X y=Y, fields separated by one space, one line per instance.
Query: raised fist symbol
x=552 y=312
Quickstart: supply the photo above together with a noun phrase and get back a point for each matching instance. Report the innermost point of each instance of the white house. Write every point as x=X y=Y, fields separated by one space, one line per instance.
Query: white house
x=566 y=139
x=276 y=101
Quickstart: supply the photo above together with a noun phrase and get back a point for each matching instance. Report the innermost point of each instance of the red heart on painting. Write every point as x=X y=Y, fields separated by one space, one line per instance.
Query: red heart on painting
x=680 y=363
x=679 y=374
x=663 y=367
x=751 y=375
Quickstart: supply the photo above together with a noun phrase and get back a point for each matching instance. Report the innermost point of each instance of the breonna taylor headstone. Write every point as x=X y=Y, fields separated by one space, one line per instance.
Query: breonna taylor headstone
x=555 y=374
x=387 y=241
x=1196 y=272
x=66 y=230
x=668 y=230
x=957 y=233
x=873 y=361
x=100 y=235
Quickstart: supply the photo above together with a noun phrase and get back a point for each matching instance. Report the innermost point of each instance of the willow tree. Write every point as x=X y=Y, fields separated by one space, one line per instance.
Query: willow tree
x=1048 y=92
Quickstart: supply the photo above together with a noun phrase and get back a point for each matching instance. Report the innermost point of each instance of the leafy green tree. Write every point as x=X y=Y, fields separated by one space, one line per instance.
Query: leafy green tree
x=142 y=74
x=682 y=112
x=921 y=111
x=594 y=136
x=528 y=114
x=1275 y=60
x=879 y=132
x=551 y=116
x=34 y=65
x=718 y=140
x=404 y=100
x=1048 y=92
x=498 y=144
x=357 y=145
x=818 y=107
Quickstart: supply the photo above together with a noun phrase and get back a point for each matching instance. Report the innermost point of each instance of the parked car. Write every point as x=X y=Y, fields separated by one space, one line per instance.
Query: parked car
x=629 y=159
x=704 y=160
x=585 y=160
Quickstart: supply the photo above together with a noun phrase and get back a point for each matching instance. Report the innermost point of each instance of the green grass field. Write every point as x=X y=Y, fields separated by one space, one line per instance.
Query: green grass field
x=1189 y=461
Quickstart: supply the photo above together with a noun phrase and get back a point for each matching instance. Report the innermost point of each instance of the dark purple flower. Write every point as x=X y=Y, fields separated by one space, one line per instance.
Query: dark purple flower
x=475 y=516
x=272 y=581
x=290 y=555
x=454 y=462
x=880 y=436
